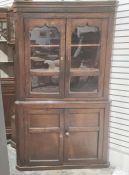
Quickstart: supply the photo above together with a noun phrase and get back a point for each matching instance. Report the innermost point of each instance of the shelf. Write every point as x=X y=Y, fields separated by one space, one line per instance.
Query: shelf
x=6 y=77
x=3 y=41
x=84 y=72
x=37 y=59
x=85 y=45
x=7 y=62
x=44 y=45
x=8 y=80
x=11 y=43
x=44 y=72
x=46 y=89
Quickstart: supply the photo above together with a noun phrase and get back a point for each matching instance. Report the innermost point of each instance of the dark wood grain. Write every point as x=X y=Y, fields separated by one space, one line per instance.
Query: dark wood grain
x=63 y=129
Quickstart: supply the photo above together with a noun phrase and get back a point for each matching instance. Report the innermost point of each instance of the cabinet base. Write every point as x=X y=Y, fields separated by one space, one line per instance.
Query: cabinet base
x=87 y=166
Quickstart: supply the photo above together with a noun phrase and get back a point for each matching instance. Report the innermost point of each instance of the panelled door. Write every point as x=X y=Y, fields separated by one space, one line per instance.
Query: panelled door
x=86 y=51
x=83 y=136
x=63 y=136
x=44 y=57
x=44 y=136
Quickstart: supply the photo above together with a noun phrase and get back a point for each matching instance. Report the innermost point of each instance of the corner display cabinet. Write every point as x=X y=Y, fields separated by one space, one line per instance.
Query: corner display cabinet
x=62 y=77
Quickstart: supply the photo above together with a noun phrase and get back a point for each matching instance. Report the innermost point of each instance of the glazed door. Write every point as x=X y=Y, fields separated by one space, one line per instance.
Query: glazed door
x=43 y=136
x=83 y=137
x=85 y=54
x=44 y=57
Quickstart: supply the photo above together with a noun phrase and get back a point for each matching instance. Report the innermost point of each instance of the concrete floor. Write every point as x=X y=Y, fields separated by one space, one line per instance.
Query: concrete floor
x=13 y=171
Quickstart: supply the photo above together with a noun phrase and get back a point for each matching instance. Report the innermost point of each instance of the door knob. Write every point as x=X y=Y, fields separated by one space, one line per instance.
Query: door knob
x=67 y=133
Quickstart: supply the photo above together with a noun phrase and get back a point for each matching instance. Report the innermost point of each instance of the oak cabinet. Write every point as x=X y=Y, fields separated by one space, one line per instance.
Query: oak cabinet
x=62 y=77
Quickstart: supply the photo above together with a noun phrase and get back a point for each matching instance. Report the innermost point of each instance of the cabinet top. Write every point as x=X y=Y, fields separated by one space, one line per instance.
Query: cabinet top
x=65 y=7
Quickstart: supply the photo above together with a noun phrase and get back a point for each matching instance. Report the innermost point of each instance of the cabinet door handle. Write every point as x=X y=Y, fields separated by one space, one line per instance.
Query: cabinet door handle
x=67 y=133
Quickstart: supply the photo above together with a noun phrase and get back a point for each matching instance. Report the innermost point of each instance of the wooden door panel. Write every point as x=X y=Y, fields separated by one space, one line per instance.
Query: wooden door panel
x=83 y=118
x=45 y=147
x=44 y=121
x=80 y=121
x=82 y=145
x=83 y=135
x=44 y=136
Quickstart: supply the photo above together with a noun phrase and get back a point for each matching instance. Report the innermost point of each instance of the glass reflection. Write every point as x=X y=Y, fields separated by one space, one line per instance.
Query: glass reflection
x=44 y=58
x=45 y=48
x=45 y=84
x=44 y=35
x=85 y=50
x=84 y=84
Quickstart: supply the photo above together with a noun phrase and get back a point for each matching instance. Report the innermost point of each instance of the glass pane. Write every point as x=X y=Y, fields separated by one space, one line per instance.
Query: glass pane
x=45 y=36
x=84 y=84
x=85 y=57
x=85 y=47
x=45 y=51
x=45 y=84
x=44 y=58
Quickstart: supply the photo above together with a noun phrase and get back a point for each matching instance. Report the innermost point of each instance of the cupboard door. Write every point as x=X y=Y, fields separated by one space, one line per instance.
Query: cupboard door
x=44 y=57
x=86 y=48
x=83 y=136
x=44 y=137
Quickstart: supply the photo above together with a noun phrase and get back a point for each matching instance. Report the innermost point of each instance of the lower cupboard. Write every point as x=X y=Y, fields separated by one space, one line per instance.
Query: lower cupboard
x=61 y=137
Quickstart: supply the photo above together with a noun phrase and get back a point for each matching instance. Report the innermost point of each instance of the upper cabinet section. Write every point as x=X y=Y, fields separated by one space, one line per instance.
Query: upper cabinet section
x=65 y=58
x=64 y=49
